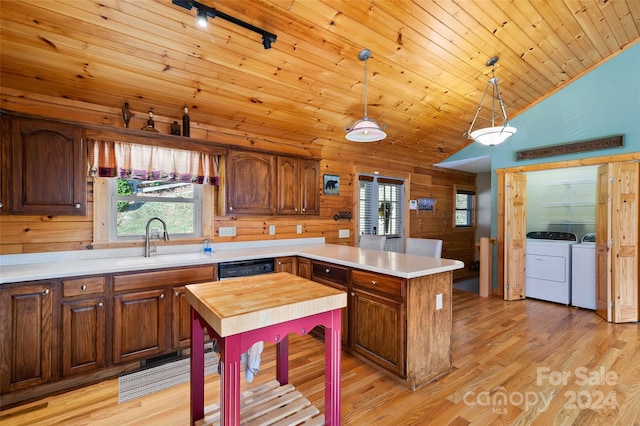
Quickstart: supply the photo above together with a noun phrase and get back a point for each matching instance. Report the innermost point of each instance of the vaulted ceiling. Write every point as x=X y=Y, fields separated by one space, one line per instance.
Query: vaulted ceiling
x=426 y=74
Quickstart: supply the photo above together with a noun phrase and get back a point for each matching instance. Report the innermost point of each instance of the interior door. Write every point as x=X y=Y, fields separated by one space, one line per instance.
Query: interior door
x=603 y=254
x=617 y=242
x=515 y=235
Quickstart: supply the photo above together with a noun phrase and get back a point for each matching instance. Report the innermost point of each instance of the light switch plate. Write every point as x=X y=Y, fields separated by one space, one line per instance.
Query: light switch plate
x=438 y=301
x=343 y=233
x=272 y=230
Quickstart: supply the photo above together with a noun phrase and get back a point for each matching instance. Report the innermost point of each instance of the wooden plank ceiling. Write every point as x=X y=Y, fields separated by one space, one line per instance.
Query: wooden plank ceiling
x=426 y=75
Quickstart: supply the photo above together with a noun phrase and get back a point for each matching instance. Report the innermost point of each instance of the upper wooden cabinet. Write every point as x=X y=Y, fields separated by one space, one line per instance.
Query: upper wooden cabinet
x=251 y=181
x=298 y=190
x=267 y=184
x=47 y=168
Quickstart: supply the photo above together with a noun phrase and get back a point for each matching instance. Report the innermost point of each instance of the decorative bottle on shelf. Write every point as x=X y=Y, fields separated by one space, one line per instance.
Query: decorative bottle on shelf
x=185 y=122
x=151 y=125
x=126 y=114
x=175 y=128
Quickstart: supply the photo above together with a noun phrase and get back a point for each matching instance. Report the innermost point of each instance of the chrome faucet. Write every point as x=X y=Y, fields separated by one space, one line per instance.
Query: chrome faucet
x=146 y=235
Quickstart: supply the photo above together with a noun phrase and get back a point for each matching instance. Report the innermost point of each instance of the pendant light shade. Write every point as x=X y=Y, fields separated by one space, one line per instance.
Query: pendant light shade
x=366 y=129
x=493 y=135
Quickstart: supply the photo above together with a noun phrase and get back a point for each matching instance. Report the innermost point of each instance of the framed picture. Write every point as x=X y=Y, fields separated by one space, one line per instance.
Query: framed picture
x=426 y=204
x=331 y=185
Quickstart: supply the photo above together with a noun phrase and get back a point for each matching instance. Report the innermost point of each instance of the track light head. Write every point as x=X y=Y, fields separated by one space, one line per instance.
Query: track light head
x=201 y=18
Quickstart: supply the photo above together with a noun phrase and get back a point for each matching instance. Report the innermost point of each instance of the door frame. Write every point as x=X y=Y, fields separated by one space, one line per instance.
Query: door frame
x=501 y=211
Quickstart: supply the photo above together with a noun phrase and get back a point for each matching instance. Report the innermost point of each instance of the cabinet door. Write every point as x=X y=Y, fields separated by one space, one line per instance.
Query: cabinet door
x=180 y=319
x=310 y=187
x=251 y=181
x=377 y=330
x=286 y=264
x=26 y=327
x=288 y=185
x=83 y=336
x=304 y=270
x=139 y=325
x=48 y=169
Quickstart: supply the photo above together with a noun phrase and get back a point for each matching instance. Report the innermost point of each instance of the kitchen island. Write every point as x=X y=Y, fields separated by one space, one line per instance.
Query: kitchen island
x=398 y=315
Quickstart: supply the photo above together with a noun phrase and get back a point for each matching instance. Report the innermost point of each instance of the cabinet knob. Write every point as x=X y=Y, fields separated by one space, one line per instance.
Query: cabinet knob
x=295 y=210
x=373 y=282
x=46 y=291
x=177 y=294
x=162 y=296
x=230 y=208
x=83 y=287
x=77 y=205
x=353 y=294
x=100 y=305
x=304 y=210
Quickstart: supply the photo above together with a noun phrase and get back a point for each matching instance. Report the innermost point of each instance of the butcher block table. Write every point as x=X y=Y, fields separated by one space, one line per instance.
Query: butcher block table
x=241 y=311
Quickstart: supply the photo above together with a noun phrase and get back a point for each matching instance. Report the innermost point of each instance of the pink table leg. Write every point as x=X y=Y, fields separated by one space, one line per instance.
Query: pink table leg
x=230 y=380
x=282 y=361
x=332 y=354
x=197 y=368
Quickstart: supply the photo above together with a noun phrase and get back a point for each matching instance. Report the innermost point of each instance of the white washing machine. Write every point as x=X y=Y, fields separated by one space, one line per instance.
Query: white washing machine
x=583 y=273
x=548 y=263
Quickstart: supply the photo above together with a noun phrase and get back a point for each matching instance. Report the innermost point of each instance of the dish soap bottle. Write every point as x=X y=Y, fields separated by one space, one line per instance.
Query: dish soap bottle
x=185 y=122
x=207 y=246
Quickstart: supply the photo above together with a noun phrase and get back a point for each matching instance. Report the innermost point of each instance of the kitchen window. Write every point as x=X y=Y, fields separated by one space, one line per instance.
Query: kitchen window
x=381 y=206
x=134 y=202
x=464 y=214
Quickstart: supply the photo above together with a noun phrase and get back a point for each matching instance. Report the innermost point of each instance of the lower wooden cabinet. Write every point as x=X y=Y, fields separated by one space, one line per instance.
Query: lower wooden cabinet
x=83 y=335
x=139 y=325
x=337 y=277
x=26 y=335
x=286 y=264
x=304 y=268
x=377 y=330
x=181 y=320
x=150 y=313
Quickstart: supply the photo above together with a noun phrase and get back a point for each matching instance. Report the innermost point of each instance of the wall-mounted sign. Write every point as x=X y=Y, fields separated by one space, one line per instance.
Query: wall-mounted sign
x=571 y=148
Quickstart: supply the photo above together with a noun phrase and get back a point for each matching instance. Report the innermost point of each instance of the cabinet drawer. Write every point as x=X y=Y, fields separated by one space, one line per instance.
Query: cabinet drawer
x=155 y=279
x=328 y=272
x=381 y=283
x=82 y=286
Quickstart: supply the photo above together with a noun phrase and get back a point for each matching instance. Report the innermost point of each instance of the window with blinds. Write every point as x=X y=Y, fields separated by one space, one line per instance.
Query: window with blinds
x=381 y=205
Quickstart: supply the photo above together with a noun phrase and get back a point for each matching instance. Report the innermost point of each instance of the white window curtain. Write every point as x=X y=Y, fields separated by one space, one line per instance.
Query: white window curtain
x=147 y=162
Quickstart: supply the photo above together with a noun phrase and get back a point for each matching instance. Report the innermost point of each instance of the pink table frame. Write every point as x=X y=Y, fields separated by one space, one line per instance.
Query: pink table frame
x=232 y=346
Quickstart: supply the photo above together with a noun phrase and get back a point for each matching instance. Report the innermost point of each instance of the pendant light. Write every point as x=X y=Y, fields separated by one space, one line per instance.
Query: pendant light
x=493 y=135
x=366 y=129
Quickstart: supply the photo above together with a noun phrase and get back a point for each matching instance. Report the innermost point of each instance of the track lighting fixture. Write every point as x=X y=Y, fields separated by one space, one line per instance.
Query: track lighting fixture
x=201 y=17
x=204 y=12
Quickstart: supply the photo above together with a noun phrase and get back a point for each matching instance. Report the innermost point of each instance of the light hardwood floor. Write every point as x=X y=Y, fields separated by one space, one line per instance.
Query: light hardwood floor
x=524 y=362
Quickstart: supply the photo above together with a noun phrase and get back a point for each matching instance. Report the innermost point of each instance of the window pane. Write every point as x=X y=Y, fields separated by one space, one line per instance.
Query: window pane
x=132 y=220
x=138 y=201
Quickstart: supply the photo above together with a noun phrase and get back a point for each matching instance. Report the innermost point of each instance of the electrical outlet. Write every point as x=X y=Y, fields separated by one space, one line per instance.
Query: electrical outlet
x=227 y=231
x=272 y=230
x=438 y=301
x=299 y=229
x=343 y=233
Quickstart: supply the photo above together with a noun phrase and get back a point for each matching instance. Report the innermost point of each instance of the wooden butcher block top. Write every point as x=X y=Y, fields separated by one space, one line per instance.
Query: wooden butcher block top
x=242 y=304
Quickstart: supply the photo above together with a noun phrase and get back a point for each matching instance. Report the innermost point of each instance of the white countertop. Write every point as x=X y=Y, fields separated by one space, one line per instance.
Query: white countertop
x=31 y=267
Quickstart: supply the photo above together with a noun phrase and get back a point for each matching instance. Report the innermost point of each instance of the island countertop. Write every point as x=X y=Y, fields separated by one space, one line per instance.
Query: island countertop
x=33 y=267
